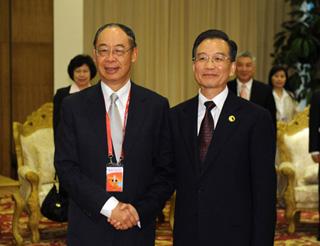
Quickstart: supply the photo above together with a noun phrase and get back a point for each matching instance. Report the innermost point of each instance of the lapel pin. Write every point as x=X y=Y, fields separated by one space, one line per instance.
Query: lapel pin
x=232 y=118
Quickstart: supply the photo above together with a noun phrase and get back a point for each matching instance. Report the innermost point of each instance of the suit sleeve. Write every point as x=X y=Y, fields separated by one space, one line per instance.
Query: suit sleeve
x=263 y=180
x=83 y=191
x=314 y=123
x=271 y=106
x=56 y=109
x=162 y=186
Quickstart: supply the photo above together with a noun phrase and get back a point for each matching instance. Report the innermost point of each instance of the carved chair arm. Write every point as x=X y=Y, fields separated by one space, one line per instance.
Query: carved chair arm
x=287 y=170
x=24 y=170
x=29 y=180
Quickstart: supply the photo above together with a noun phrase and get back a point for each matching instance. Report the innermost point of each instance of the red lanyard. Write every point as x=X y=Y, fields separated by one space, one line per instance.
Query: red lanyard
x=109 y=137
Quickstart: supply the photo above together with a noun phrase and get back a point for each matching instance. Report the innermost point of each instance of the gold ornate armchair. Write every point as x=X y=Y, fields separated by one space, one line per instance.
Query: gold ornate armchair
x=297 y=172
x=34 y=148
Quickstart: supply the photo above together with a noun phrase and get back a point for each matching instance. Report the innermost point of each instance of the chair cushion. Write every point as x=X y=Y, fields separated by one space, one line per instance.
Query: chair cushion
x=38 y=154
x=298 y=147
x=311 y=174
x=307 y=196
x=29 y=152
x=44 y=149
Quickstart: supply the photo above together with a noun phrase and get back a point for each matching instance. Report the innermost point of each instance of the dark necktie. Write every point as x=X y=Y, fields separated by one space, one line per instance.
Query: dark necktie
x=206 y=130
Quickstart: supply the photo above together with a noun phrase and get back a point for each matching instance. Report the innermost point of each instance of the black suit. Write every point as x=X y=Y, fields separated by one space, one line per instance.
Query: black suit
x=232 y=201
x=314 y=123
x=260 y=94
x=81 y=156
x=314 y=133
x=57 y=101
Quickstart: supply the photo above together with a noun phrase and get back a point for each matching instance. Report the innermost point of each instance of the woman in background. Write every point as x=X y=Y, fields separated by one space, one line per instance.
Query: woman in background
x=81 y=70
x=286 y=109
x=286 y=105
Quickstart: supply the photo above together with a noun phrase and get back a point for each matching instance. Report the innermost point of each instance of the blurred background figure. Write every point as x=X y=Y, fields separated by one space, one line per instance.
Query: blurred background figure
x=286 y=108
x=286 y=105
x=81 y=70
x=247 y=87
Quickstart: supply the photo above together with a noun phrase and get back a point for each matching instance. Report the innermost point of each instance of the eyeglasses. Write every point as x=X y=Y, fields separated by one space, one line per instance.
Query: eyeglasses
x=217 y=59
x=116 y=52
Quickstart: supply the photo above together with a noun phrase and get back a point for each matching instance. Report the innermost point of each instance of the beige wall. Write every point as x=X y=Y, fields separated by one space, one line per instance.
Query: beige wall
x=68 y=37
x=166 y=29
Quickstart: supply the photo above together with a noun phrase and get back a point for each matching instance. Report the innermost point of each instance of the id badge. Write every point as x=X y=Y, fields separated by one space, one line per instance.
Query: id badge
x=114 y=178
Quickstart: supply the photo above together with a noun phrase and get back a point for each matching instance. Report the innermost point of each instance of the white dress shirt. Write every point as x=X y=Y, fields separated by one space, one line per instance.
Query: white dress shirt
x=123 y=94
x=248 y=85
x=215 y=112
x=74 y=88
x=286 y=106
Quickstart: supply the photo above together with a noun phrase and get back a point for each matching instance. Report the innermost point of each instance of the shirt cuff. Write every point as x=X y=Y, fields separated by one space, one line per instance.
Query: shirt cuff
x=107 y=208
x=315 y=153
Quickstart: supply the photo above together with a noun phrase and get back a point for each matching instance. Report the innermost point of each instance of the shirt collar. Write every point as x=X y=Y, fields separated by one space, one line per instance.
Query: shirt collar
x=218 y=99
x=74 y=88
x=122 y=93
x=248 y=84
x=284 y=94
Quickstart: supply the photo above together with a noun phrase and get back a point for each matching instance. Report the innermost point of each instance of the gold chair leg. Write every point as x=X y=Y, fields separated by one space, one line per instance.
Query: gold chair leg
x=33 y=204
x=290 y=216
x=172 y=208
x=289 y=198
x=18 y=207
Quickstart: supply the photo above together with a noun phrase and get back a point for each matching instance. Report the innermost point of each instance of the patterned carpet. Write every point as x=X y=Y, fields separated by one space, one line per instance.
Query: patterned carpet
x=53 y=234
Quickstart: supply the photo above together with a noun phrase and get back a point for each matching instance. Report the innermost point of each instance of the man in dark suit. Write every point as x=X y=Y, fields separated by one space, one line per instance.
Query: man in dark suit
x=245 y=86
x=224 y=150
x=314 y=135
x=119 y=211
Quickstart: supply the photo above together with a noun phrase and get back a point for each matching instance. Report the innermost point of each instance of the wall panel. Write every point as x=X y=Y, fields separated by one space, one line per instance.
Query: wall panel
x=5 y=106
x=26 y=67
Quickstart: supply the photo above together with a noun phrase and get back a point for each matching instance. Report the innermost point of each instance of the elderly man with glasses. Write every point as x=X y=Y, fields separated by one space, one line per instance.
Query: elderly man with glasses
x=224 y=150
x=113 y=151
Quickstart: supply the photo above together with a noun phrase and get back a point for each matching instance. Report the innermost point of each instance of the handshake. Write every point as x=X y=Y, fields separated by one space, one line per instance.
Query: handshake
x=124 y=216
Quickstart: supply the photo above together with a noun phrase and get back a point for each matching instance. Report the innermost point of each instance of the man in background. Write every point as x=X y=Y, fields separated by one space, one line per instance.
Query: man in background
x=245 y=86
x=113 y=151
x=224 y=150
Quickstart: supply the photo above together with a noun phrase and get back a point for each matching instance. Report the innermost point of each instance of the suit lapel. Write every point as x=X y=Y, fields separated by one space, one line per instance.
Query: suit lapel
x=254 y=94
x=226 y=126
x=97 y=116
x=189 y=121
x=232 y=85
x=136 y=116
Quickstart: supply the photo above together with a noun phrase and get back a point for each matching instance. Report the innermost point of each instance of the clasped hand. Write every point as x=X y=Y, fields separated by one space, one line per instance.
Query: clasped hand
x=124 y=216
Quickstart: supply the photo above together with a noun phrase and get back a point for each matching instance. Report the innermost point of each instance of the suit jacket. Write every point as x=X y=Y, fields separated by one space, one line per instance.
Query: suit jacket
x=314 y=123
x=232 y=200
x=261 y=94
x=57 y=100
x=81 y=157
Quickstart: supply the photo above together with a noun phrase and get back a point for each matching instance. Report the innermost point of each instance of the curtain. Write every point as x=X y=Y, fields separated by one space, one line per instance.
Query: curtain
x=166 y=29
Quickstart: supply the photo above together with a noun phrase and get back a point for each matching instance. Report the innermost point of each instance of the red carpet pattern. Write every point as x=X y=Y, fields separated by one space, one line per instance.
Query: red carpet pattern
x=54 y=234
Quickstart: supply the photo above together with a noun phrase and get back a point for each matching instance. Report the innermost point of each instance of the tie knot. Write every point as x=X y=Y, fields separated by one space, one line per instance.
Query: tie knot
x=243 y=87
x=114 y=97
x=209 y=105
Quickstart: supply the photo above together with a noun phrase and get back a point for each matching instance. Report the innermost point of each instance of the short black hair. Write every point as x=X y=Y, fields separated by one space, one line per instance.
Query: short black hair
x=80 y=60
x=126 y=29
x=274 y=70
x=215 y=34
